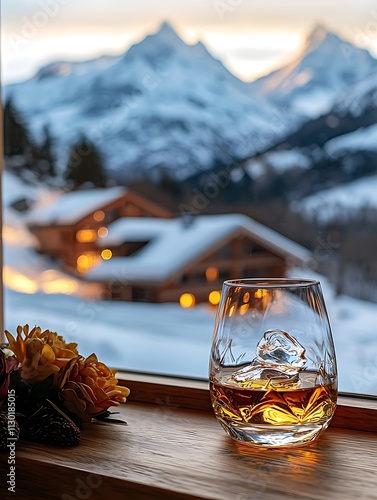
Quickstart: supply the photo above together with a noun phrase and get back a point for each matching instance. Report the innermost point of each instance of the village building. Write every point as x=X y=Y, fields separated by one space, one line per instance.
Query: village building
x=70 y=227
x=186 y=261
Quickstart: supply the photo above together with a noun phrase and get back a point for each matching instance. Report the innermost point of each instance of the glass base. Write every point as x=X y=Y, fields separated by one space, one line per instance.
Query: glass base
x=268 y=436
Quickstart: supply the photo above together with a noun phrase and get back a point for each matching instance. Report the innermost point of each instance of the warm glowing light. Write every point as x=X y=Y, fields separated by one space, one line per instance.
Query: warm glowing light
x=243 y=309
x=260 y=293
x=18 y=282
x=83 y=261
x=187 y=300
x=246 y=297
x=231 y=311
x=86 y=261
x=214 y=297
x=99 y=216
x=60 y=286
x=102 y=232
x=86 y=236
x=212 y=273
x=106 y=254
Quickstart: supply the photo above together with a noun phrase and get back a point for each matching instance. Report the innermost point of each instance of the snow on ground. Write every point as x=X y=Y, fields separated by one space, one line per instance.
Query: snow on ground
x=163 y=338
x=133 y=336
x=157 y=338
x=340 y=202
x=354 y=328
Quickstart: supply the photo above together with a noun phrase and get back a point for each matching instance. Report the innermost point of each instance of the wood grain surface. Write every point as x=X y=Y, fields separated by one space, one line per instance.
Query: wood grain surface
x=174 y=453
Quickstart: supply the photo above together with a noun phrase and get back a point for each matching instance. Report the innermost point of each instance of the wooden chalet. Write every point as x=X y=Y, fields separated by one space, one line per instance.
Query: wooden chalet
x=156 y=260
x=70 y=228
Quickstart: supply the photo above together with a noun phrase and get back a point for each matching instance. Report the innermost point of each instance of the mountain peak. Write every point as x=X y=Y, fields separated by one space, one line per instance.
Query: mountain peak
x=319 y=31
x=166 y=27
x=157 y=45
x=318 y=34
x=324 y=68
x=167 y=32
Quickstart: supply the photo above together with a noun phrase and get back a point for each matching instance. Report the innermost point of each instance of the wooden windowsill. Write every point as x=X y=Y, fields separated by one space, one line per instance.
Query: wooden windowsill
x=170 y=451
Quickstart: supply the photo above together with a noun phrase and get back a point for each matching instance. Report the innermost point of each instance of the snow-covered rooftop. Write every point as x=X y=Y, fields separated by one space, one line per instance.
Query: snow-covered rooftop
x=173 y=244
x=135 y=229
x=71 y=207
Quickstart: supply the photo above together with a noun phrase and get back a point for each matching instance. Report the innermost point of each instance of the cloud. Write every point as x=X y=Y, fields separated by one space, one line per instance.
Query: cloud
x=256 y=54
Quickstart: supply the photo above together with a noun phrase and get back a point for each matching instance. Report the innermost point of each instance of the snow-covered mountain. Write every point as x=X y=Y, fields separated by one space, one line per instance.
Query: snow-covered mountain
x=332 y=158
x=328 y=157
x=64 y=68
x=360 y=99
x=162 y=105
x=311 y=83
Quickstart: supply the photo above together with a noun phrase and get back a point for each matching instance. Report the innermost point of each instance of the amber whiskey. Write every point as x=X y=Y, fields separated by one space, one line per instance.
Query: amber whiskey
x=303 y=402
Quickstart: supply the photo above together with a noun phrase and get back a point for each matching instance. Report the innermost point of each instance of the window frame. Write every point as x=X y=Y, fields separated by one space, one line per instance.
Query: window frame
x=354 y=411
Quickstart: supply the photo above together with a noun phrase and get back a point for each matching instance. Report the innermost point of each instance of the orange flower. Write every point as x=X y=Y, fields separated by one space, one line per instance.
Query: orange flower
x=40 y=352
x=89 y=387
x=38 y=361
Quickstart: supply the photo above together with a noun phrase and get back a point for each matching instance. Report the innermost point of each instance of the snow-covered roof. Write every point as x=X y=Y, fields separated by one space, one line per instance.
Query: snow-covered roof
x=174 y=244
x=135 y=229
x=71 y=207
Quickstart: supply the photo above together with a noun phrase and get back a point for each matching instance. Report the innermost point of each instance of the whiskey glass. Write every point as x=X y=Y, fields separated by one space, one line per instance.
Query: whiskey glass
x=273 y=374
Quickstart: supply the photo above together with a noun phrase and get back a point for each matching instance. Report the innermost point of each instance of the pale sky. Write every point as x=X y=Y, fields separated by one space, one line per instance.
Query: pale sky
x=251 y=37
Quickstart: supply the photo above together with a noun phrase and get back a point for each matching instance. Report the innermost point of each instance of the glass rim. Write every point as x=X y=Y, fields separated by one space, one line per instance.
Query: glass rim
x=271 y=282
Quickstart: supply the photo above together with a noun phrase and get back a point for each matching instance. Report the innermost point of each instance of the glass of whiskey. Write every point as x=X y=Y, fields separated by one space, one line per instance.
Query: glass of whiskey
x=273 y=374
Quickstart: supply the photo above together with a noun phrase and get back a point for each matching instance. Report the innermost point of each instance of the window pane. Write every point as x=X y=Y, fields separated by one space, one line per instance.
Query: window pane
x=147 y=161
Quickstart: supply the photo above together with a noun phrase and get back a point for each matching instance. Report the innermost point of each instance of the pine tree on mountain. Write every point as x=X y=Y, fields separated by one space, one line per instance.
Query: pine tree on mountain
x=17 y=140
x=44 y=155
x=85 y=165
x=170 y=186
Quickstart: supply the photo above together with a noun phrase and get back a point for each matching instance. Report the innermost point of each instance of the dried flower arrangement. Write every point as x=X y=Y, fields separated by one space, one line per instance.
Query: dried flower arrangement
x=55 y=389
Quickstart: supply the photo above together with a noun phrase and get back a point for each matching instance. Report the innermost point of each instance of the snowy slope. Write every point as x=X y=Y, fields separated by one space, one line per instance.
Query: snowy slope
x=359 y=98
x=164 y=104
x=340 y=202
x=363 y=139
x=280 y=161
x=326 y=67
x=65 y=68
